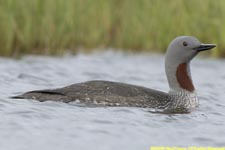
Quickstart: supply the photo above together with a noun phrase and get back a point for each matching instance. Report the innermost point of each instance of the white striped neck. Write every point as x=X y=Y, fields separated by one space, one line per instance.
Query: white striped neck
x=183 y=99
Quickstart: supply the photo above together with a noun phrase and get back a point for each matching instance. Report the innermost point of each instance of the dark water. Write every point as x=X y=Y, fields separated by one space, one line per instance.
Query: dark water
x=32 y=125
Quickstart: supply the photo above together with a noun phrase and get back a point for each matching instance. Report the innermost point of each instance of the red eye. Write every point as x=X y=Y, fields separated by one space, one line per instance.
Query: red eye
x=185 y=43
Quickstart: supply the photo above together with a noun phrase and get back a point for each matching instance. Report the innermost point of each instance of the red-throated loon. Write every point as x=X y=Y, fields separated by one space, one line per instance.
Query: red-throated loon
x=182 y=95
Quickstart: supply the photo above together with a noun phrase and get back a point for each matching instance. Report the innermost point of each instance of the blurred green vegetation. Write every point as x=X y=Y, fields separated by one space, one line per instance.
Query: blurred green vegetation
x=54 y=26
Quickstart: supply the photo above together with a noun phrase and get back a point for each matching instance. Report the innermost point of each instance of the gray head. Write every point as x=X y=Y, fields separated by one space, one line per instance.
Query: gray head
x=179 y=54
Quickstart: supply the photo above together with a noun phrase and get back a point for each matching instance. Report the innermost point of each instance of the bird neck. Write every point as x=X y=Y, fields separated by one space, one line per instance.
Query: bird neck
x=179 y=76
x=183 y=99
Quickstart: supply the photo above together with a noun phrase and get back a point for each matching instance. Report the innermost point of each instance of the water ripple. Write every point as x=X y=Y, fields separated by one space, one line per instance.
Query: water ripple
x=27 y=124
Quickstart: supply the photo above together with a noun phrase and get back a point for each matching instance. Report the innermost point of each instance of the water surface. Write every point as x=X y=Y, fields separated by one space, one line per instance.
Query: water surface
x=26 y=125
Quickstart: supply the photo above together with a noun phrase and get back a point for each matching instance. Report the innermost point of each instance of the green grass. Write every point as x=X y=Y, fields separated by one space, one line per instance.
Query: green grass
x=55 y=26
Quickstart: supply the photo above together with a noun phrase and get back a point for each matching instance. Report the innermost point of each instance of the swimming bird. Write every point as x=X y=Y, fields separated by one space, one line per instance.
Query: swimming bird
x=181 y=96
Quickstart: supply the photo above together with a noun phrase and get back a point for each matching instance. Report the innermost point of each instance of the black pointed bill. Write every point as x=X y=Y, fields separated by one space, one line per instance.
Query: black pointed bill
x=204 y=47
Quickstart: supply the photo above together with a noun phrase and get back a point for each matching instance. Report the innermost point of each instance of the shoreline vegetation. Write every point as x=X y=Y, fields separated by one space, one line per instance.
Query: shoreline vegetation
x=52 y=27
